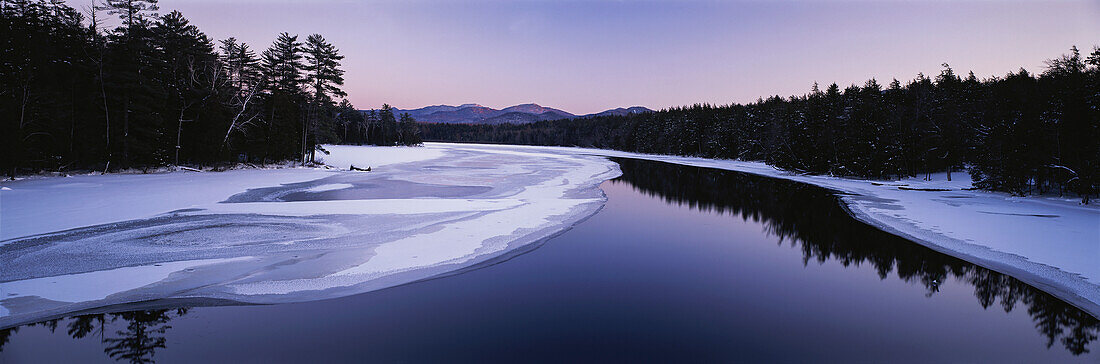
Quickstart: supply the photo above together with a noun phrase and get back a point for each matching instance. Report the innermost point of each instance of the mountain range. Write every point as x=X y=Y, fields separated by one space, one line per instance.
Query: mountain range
x=518 y=114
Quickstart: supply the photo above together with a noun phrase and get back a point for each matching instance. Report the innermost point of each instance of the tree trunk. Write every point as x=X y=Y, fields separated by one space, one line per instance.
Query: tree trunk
x=179 y=133
x=125 y=130
x=106 y=114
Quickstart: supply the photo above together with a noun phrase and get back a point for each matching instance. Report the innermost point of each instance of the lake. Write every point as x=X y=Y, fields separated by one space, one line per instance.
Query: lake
x=683 y=263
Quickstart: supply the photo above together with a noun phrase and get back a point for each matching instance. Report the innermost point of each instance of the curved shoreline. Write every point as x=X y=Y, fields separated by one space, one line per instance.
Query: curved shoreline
x=1073 y=288
x=1085 y=297
x=341 y=241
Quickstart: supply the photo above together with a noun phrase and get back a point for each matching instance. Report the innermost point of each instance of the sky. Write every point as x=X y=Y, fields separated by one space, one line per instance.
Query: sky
x=589 y=56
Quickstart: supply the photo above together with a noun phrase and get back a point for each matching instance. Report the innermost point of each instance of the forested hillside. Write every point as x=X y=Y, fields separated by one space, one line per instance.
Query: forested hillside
x=1021 y=133
x=156 y=91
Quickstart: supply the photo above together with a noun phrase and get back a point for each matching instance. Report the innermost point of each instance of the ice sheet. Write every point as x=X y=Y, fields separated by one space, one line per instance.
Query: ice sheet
x=1050 y=242
x=271 y=236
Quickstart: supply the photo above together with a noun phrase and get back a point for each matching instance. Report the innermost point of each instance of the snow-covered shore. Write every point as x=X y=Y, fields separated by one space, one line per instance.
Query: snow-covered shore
x=1051 y=243
x=270 y=236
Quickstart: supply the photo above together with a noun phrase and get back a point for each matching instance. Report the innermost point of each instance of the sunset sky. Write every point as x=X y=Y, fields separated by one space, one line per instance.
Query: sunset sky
x=587 y=56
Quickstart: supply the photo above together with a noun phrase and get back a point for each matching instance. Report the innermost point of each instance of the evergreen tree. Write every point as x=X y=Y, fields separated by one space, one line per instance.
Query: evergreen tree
x=149 y=92
x=190 y=78
x=132 y=61
x=945 y=135
x=324 y=76
x=131 y=12
x=387 y=126
x=408 y=131
x=1021 y=133
x=282 y=70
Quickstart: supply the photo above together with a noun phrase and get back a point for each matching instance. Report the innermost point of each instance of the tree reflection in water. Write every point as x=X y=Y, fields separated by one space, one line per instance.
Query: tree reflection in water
x=804 y=216
x=812 y=219
x=136 y=342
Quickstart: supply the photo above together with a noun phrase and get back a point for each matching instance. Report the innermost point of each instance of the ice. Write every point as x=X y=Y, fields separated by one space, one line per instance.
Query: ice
x=1049 y=242
x=330 y=187
x=273 y=236
x=97 y=285
x=37 y=206
x=344 y=156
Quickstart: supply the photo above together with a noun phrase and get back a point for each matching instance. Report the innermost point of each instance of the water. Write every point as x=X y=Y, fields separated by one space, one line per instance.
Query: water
x=682 y=263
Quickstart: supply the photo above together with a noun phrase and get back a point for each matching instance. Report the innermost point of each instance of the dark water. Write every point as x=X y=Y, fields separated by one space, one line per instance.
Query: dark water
x=683 y=263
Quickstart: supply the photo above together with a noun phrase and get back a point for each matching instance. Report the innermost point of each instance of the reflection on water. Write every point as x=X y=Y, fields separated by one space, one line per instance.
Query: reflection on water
x=132 y=336
x=801 y=216
x=812 y=218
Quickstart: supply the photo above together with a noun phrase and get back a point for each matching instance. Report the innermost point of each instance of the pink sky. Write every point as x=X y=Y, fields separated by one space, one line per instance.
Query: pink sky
x=588 y=56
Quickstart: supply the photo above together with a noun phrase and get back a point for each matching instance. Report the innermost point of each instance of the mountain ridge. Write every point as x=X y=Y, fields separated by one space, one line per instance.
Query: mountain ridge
x=517 y=114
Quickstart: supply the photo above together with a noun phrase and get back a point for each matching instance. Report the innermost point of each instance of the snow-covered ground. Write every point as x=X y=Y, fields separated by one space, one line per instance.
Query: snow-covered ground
x=42 y=205
x=1051 y=243
x=270 y=236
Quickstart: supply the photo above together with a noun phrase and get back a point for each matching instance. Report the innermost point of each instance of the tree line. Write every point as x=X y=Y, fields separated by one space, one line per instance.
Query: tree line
x=156 y=91
x=380 y=127
x=1020 y=133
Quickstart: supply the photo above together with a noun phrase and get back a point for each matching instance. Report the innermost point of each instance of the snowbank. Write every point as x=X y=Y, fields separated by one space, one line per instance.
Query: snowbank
x=1051 y=243
x=344 y=156
x=271 y=236
x=43 y=205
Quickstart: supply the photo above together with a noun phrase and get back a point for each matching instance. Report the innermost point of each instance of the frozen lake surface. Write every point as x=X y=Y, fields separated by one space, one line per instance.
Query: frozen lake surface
x=277 y=236
x=682 y=262
x=1048 y=241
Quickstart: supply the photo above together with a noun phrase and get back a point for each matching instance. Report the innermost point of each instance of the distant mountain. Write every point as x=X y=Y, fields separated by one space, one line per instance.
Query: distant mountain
x=621 y=111
x=469 y=114
x=517 y=117
x=518 y=114
x=539 y=110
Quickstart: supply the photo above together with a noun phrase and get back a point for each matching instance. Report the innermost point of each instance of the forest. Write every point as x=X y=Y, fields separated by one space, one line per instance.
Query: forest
x=1021 y=133
x=156 y=91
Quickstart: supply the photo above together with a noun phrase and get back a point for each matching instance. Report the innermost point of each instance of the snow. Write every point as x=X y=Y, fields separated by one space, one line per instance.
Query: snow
x=344 y=156
x=119 y=197
x=289 y=235
x=43 y=205
x=330 y=187
x=99 y=284
x=273 y=236
x=1052 y=243
x=359 y=207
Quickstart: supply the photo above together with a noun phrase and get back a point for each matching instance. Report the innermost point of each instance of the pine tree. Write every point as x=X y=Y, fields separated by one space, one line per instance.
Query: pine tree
x=324 y=76
x=245 y=80
x=282 y=72
x=240 y=63
x=131 y=12
x=132 y=60
x=945 y=132
x=323 y=73
x=387 y=126
x=191 y=75
x=282 y=64
x=408 y=130
x=1075 y=163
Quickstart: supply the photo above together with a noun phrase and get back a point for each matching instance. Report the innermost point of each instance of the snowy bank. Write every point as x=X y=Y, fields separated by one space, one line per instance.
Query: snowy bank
x=1050 y=243
x=271 y=236
x=43 y=205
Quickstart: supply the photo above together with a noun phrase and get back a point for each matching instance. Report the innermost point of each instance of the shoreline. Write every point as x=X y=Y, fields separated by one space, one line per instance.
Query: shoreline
x=864 y=204
x=863 y=200
x=338 y=237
